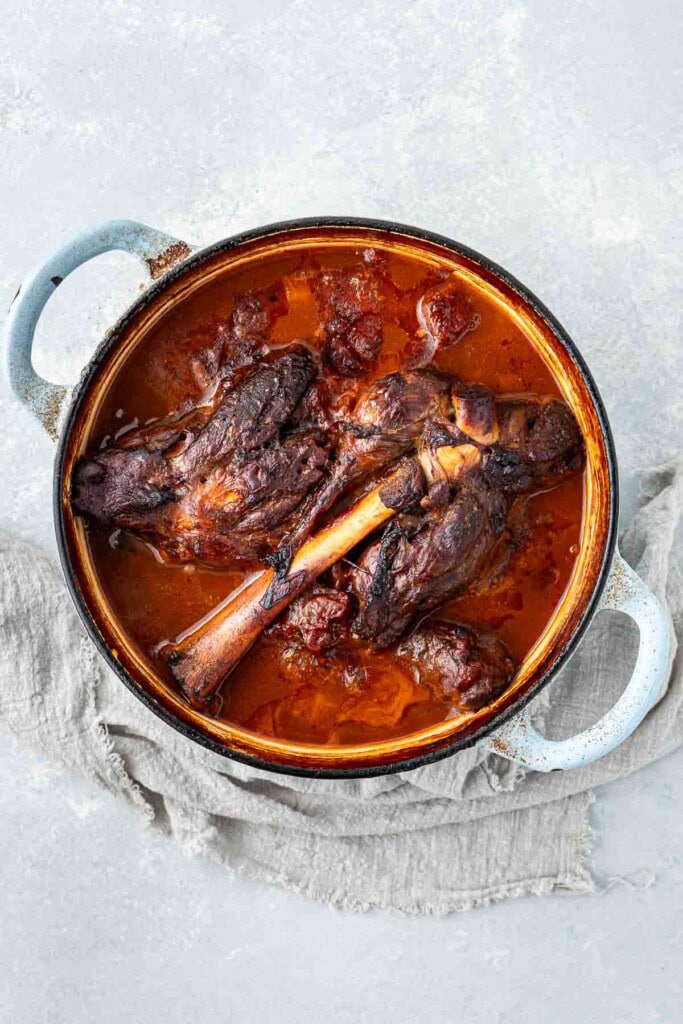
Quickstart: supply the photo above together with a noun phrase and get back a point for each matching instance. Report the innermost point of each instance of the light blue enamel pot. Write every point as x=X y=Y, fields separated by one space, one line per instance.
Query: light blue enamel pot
x=506 y=727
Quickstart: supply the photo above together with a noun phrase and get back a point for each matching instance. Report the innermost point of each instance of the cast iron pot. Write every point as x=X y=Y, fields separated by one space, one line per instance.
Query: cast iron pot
x=601 y=580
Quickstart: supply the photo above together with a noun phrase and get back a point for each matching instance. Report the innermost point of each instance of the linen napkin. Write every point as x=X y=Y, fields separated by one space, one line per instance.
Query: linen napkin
x=468 y=830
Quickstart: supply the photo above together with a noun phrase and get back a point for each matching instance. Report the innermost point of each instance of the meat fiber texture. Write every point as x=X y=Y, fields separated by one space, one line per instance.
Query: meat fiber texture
x=219 y=488
x=468 y=830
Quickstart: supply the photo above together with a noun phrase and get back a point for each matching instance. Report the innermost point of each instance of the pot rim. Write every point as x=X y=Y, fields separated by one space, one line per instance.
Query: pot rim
x=111 y=338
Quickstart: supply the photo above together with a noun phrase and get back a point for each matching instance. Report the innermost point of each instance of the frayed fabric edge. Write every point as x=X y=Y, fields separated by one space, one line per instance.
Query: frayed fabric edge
x=578 y=880
x=113 y=766
x=116 y=773
x=578 y=883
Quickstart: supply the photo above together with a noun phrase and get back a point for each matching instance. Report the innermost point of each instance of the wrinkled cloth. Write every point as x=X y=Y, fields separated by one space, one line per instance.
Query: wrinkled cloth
x=468 y=830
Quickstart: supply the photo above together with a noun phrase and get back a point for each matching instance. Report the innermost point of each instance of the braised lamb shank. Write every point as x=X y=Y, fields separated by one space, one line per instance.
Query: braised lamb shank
x=208 y=487
x=386 y=422
x=428 y=467
x=452 y=503
x=424 y=558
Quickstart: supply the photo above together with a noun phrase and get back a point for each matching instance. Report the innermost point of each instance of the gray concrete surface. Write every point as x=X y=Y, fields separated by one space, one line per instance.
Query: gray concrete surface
x=541 y=133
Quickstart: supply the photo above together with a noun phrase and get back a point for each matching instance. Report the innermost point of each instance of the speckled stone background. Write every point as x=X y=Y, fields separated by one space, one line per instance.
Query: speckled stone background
x=541 y=133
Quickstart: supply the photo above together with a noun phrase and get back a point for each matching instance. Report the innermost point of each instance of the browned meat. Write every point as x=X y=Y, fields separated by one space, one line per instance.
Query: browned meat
x=420 y=563
x=218 y=487
x=412 y=570
x=526 y=443
x=386 y=422
x=471 y=666
x=351 y=302
x=240 y=508
x=318 y=619
x=240 y=343
x=120 y=486
x=390 y=415
x=252 y=414
x=445 y=314
x=539 y=444
x=544 y=434
x=254 y=314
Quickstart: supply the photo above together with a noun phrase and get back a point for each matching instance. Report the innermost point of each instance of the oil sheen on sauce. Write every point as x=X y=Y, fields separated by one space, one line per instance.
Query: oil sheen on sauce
x=299 y=697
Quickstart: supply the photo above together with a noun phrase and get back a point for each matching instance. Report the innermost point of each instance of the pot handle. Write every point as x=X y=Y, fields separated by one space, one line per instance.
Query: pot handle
x=518 y=740
x=157 y=252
